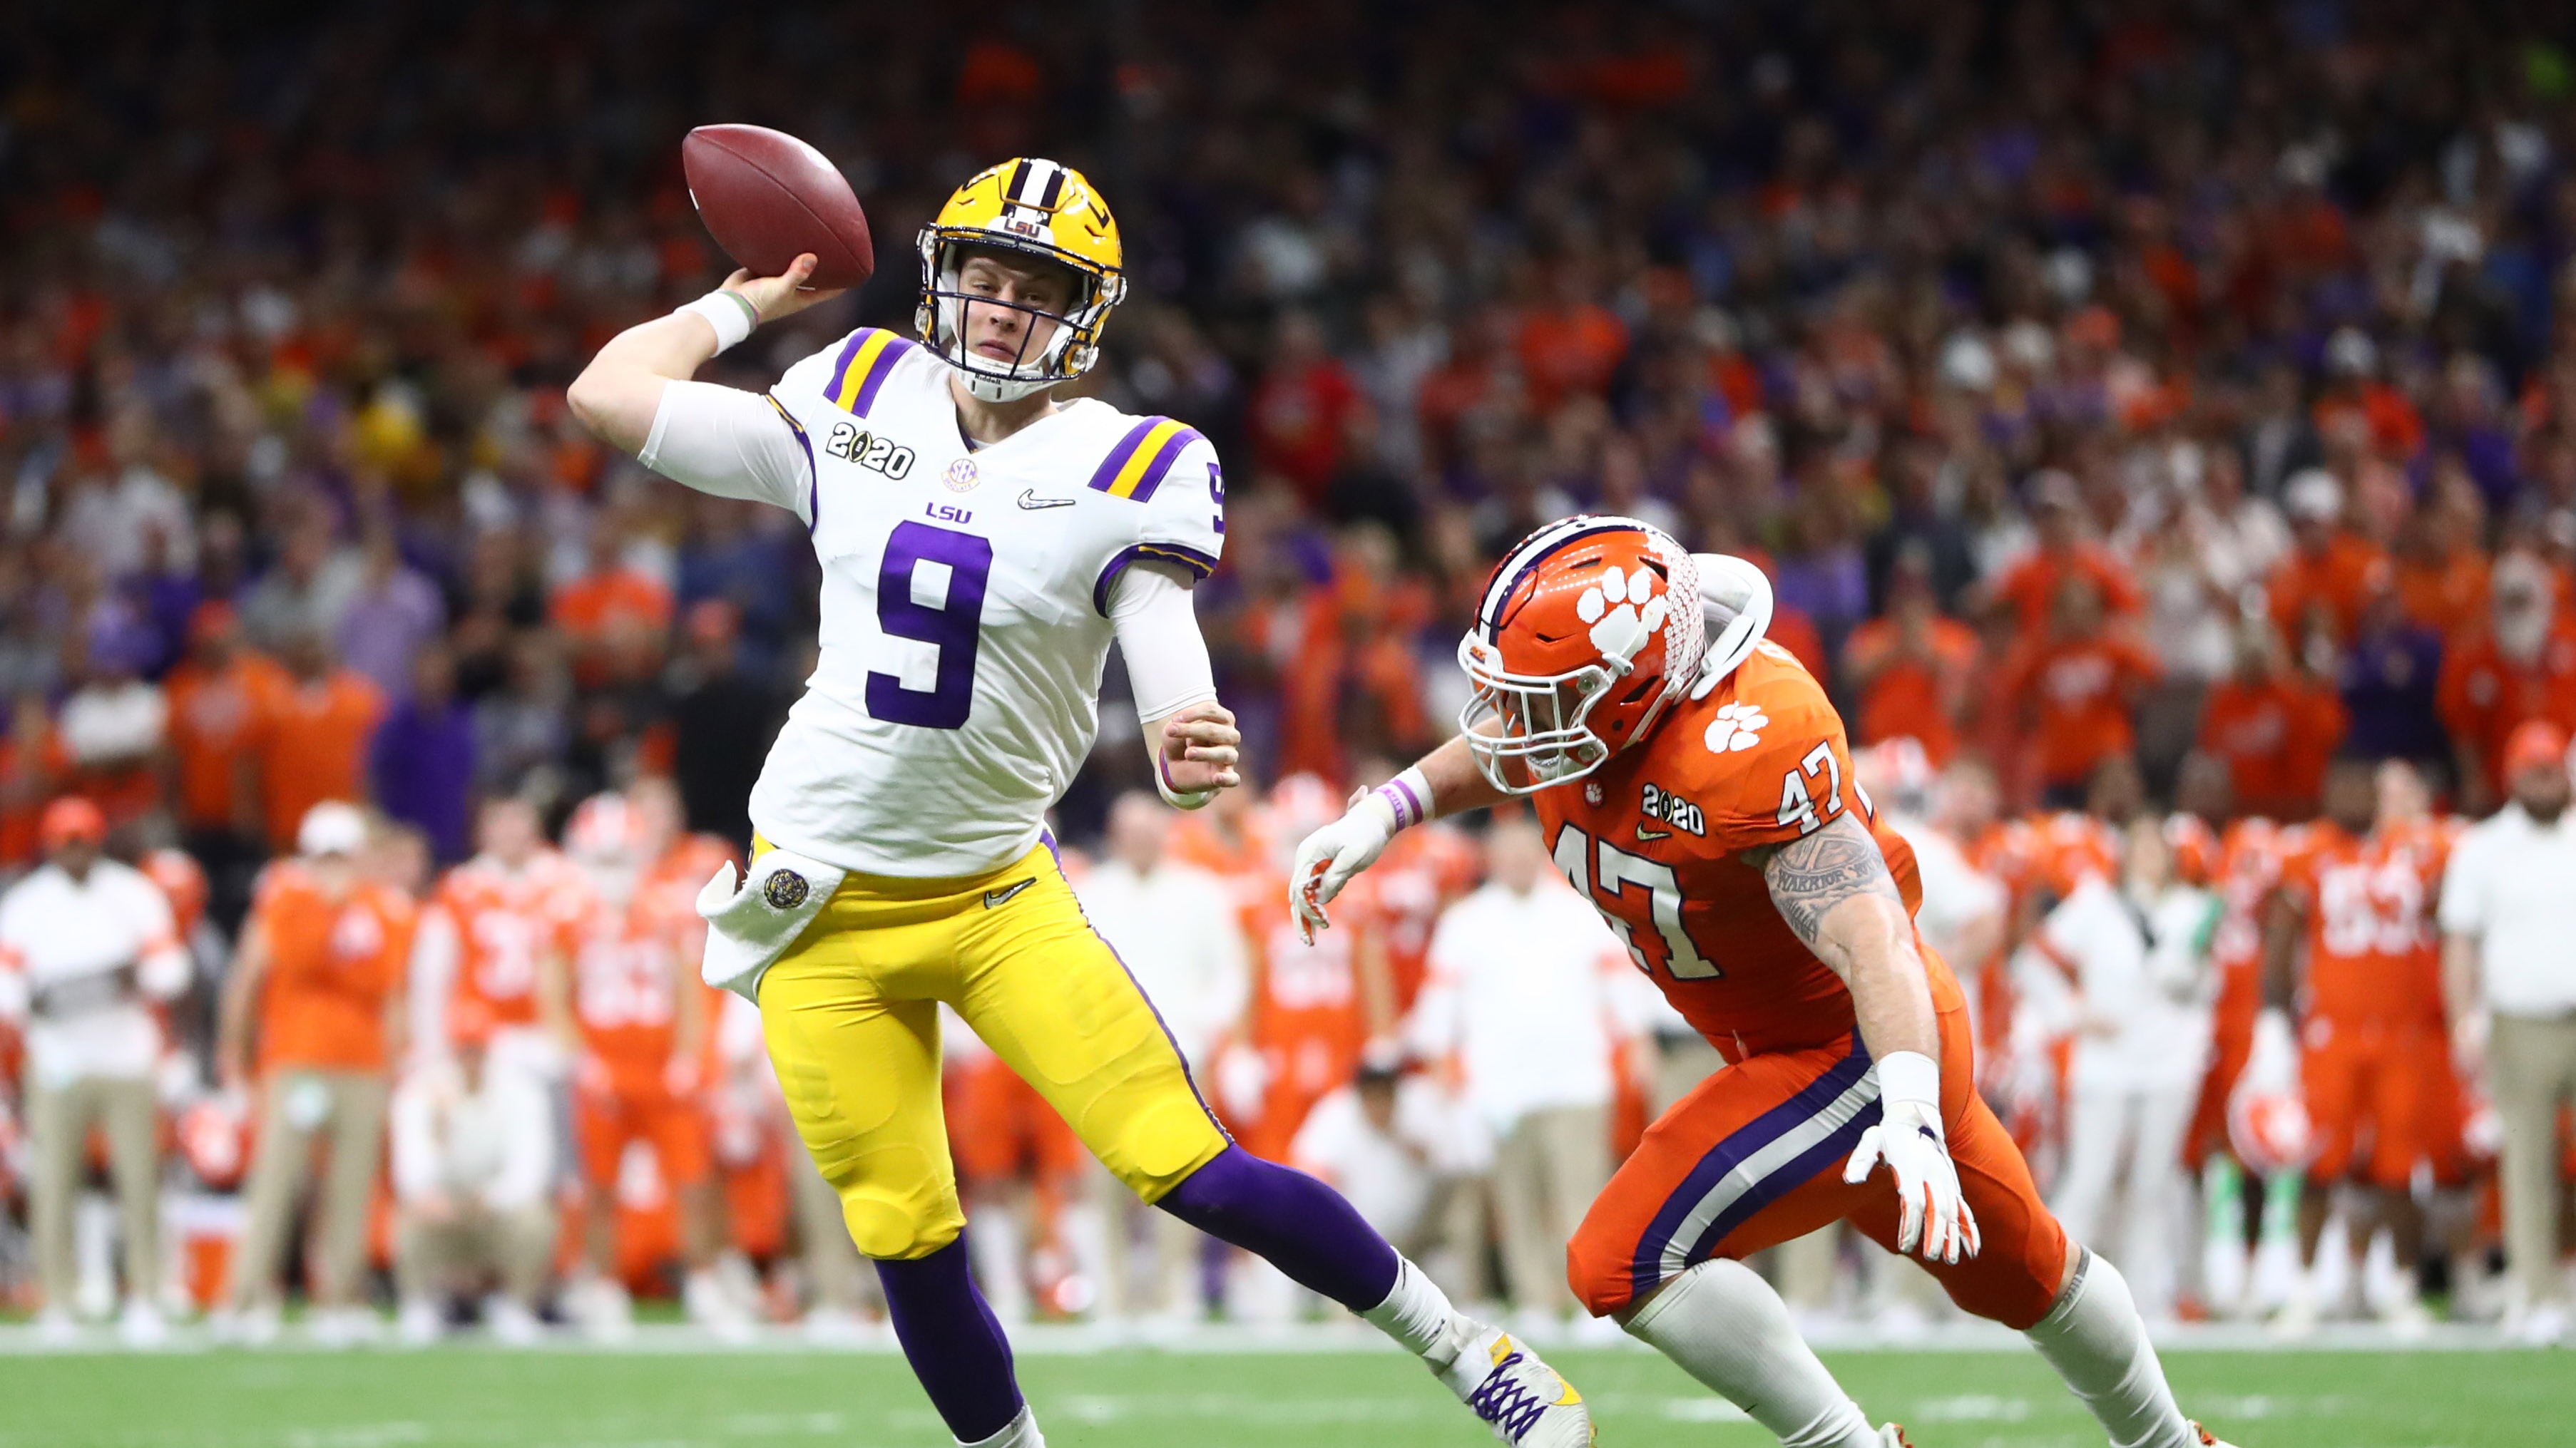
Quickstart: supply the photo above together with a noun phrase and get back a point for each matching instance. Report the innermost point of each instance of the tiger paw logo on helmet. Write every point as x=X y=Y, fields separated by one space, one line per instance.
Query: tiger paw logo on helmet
x=1624 y=611
x=1737 y=727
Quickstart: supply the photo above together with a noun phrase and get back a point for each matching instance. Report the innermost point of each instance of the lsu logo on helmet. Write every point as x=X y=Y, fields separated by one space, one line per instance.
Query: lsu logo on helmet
x=1042 y=210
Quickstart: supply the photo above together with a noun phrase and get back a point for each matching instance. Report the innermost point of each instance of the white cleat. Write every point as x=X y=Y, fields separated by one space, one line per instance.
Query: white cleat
x=57 y=1329
x=510 y=1322
x=1892 y=1435
x=2207 y=1439
x=1527 y=1403
x=419 y=1322
x=142 y=1327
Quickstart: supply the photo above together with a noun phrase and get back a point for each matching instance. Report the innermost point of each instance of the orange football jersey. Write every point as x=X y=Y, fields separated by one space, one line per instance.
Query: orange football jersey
x=626 y=976
x=332 y=964
x=1653 y=839
x=507 y=922
x=1422 y=873
x=2369 y=906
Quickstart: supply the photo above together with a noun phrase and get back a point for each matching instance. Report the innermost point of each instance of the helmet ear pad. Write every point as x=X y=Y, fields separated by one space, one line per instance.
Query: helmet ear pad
x=1735 y=605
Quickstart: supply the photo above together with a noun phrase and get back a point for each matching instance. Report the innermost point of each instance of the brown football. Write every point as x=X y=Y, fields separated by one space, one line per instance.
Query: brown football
x=766 y=196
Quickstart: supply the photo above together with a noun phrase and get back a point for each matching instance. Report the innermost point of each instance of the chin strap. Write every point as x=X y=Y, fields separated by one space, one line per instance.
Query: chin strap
x=1735 y=600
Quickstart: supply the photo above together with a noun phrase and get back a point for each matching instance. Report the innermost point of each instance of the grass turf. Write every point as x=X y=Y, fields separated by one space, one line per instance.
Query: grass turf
x=1144 y=1399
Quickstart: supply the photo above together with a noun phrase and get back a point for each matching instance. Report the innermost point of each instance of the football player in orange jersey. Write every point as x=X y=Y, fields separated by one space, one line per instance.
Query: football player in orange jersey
x=492 y=926
x=2355 y=901
x=1699 y=791
x=1315 y=1003
x=639 y=1020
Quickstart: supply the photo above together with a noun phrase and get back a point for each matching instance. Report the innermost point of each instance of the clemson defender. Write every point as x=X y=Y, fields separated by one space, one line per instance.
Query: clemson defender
x=982 y=545
x=1702 y=796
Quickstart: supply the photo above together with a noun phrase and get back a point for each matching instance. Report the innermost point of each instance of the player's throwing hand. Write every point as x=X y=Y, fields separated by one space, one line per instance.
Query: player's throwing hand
x=784 y=295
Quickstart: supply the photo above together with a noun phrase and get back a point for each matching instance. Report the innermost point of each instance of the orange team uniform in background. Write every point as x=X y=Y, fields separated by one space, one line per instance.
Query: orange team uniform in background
x=216 y=719
x=2249 y=867
x=2339 y=580
x=507 y=923
x=1308 y=1020
x=315 y=748
x=1423 y=872
x=1753 y=1157
x=1909 y=697
x=2275 y=737
x=667 y=892
x=2370 y=1044
x=332 y=966
x=626 y=1003
x=2483 y=695
x=2030 y=586
x=2074 y=696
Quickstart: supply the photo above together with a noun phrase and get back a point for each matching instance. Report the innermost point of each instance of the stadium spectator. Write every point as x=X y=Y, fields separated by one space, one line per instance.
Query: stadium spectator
x=392 y=613
x=2520 y=666
x=2508 y=919
x=723 y=715
x=2318 y=591
x=473 y=1159
x=2074 y=686
x=221 y=696
x=2390 y=680
x=1912 y=668
x=2029 y=590
x=1529 y=1003
x=86 y=945
x=312 y=1017
x=421 y=760
x=2271 y=726
x=313 y=747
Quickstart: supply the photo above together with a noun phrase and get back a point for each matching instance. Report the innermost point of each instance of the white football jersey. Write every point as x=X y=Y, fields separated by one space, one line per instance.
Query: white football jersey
x=965 y=608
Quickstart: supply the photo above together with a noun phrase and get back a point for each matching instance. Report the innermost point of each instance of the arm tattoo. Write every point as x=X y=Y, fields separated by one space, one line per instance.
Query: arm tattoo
x=1810 y=876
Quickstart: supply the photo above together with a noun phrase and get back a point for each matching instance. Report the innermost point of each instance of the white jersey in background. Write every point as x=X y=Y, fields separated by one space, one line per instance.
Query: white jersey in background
x=1177 y=932
x=968 y=594
x=77 y=960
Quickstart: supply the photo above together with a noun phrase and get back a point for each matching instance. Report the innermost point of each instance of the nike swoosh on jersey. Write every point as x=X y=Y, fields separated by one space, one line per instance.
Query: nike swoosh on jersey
x=993 y=899
x=1030 y=500
x=1647 y=836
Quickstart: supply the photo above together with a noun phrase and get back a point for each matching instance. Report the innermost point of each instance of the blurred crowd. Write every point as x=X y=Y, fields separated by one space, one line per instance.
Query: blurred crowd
x=2171 y=395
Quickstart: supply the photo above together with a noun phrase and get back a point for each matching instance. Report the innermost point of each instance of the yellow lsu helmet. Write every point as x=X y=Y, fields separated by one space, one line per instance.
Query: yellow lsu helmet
x=1044 y=210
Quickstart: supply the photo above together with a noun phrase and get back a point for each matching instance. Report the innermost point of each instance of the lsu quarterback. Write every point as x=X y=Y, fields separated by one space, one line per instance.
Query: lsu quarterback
x=982 y=543
x=1695 y=785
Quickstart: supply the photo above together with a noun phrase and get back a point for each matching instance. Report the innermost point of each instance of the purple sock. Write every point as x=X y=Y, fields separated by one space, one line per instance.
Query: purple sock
x=1302 y=1226
x=953 y=1341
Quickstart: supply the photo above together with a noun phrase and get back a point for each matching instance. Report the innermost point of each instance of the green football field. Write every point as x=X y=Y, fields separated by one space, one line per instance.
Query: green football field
x=1150 y=1399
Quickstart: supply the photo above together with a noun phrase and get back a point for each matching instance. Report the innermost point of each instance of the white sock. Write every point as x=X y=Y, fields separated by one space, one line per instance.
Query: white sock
x=2095 y=1340
x=1417 y=1314
x=1727 y=1328
x=1021 y=1433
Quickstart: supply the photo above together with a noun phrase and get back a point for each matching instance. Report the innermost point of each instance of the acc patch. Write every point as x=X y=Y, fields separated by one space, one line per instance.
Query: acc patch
x=786 y=890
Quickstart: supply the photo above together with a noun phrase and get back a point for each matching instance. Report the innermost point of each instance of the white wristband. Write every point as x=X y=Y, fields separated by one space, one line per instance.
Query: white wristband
x=1910 y=1077
x=729 y=312
x=1407 y=798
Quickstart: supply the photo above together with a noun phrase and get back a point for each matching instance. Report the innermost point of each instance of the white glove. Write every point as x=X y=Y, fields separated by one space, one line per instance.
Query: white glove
x=1933 y=1216
x=1328 y=858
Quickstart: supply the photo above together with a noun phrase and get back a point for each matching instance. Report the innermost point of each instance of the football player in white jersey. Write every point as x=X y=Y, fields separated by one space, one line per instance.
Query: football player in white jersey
x=982 y=543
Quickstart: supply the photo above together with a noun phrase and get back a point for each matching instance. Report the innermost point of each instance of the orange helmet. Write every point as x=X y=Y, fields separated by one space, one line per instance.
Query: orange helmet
x=1585 y=631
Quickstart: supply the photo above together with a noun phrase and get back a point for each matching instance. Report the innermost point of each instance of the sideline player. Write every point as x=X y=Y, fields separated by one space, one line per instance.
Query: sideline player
x=982 y=544
x=1701 y=794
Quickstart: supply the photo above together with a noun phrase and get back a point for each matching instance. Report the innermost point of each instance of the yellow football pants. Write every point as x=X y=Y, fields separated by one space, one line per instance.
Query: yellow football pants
x=850 y=1016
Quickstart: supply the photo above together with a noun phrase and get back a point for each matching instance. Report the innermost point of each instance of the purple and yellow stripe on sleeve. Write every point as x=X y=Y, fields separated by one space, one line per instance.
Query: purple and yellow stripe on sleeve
x=1138 y=464
x=863 y=367
x=1198 y=565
